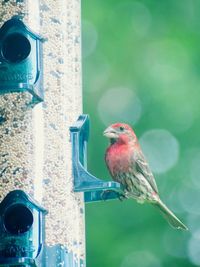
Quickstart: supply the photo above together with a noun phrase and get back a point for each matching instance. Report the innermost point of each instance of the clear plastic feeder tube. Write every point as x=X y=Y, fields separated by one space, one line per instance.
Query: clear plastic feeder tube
x=18 y=126
x=35 y=148
x=27 y=10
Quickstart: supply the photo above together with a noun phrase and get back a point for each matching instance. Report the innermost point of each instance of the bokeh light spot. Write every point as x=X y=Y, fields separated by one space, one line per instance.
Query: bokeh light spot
x=175 y=243
x=141 y=18
x=194 y=249
x=193 y=223
x=90 y=38
x=137 y=17
x=190 y=199
x=167 y=61
x=194 y=168
x=119 y=105
x=161 y=149
x=182 y=118
x=141 y=259
x=96 y=73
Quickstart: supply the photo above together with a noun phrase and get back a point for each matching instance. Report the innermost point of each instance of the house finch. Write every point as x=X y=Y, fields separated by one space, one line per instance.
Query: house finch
x=128 y=166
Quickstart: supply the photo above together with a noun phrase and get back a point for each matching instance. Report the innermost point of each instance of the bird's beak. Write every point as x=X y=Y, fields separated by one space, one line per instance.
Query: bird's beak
x=110 y=133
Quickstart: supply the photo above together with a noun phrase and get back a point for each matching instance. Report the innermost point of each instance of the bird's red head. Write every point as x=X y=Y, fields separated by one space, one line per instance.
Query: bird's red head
x=121 y=133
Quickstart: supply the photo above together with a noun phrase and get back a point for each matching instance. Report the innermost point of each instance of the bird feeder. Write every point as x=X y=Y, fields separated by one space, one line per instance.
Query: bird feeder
x=40 y=98
x=21 y=229
x=20 y=60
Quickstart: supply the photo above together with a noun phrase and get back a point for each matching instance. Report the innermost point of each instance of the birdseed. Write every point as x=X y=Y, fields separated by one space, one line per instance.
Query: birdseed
x=35 y=150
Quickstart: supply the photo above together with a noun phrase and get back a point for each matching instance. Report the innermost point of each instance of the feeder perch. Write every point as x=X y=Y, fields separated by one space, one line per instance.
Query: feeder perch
x=94 y=188
x=20 y=60
x=21 y=230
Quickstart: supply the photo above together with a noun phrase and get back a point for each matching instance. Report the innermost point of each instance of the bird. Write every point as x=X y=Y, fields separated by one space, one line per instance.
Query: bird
x=128 y=166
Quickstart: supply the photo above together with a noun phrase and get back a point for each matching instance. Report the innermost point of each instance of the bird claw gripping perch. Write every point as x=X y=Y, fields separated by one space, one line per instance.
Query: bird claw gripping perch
x=105 y=195
x=94 y=188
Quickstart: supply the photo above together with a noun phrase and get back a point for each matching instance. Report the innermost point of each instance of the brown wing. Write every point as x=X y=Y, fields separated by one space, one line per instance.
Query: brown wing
x=143 y=167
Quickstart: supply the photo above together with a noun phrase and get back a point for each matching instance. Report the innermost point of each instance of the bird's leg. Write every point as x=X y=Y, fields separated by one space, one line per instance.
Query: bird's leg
x=121 y=196
x=105 y=195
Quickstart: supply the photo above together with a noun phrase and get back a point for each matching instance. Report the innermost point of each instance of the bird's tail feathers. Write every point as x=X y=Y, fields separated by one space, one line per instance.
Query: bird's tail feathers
x=169 y=216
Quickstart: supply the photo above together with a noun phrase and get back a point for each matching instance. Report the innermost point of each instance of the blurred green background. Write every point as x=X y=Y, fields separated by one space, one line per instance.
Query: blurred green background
x=141 y=65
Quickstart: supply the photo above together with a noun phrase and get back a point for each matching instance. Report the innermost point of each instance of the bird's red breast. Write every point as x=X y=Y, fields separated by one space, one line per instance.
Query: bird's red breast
x=118 y=158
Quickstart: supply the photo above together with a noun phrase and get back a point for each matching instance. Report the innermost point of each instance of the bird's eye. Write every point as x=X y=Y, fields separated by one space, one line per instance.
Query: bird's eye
x=121 y=128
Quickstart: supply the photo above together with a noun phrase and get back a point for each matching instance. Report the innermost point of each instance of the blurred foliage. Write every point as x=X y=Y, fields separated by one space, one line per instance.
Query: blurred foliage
x=141 y=65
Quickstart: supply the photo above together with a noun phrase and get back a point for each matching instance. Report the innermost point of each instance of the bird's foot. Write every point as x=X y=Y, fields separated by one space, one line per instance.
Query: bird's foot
x=121 y=196
x=109 y=194
x=105 y=195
